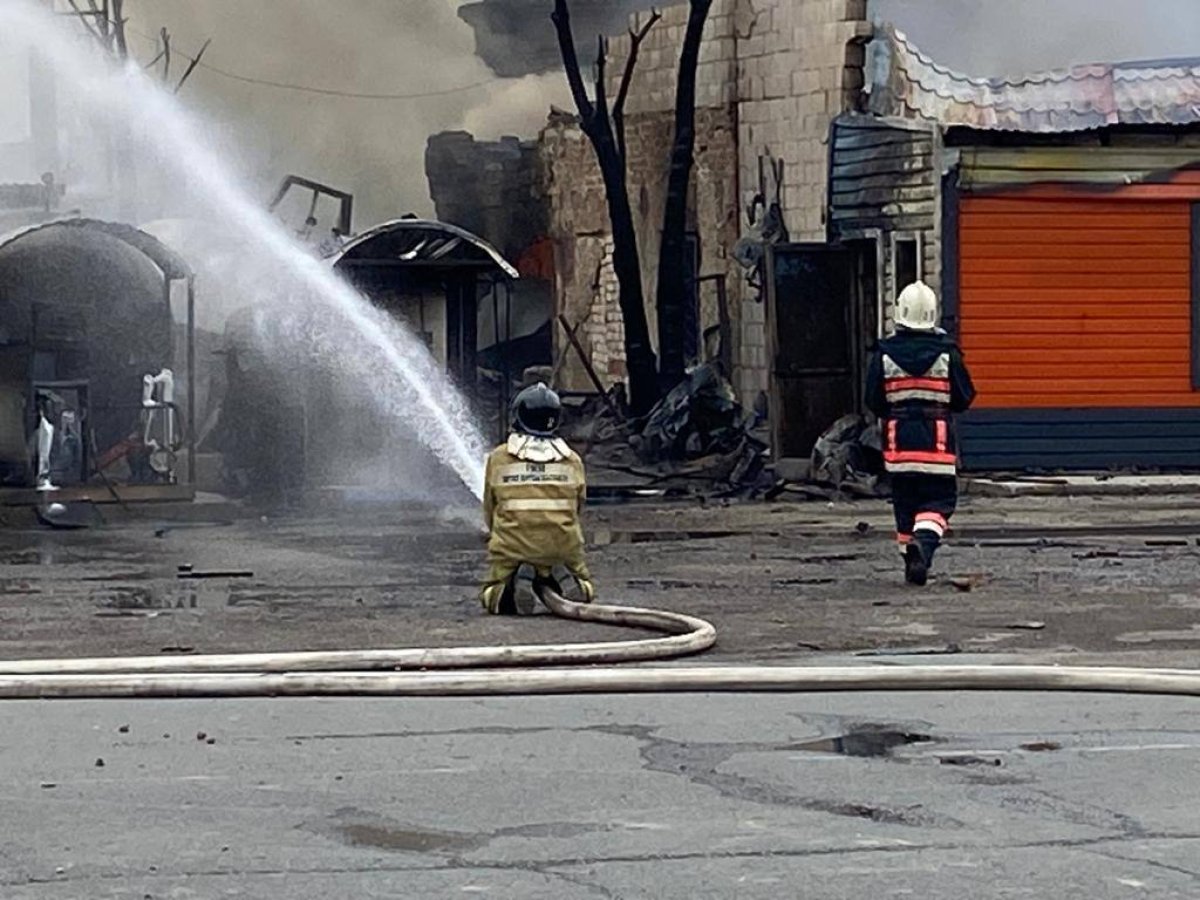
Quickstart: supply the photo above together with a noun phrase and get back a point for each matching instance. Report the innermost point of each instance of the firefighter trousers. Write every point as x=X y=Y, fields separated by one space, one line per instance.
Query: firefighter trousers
x=497 y=592
x=923 y=505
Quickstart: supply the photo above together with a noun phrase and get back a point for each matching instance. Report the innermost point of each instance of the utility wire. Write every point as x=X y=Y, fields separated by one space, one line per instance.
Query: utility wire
x=355 y=95
x=326 y=92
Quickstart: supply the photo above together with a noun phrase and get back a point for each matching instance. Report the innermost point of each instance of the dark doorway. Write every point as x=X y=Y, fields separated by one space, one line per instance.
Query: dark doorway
x=867 y=299
x=907 y=253
x=813 y=328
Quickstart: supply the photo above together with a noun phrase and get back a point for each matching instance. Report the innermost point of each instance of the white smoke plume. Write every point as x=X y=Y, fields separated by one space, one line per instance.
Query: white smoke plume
x=371 y=147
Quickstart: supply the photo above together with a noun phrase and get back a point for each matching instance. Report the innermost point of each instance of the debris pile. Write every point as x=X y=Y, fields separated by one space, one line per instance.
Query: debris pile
x=849 y=457
x=846 y=462
x=698 y=437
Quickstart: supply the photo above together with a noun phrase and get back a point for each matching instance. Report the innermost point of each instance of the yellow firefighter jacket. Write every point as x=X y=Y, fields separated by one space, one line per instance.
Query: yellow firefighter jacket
x=533 y=495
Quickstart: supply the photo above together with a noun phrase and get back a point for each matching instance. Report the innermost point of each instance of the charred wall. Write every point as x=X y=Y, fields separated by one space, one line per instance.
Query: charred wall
x=772 y=77
x=586 y=285
x=490 y=188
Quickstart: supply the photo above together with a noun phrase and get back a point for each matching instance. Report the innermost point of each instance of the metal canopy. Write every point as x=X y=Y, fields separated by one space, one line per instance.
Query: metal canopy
x=422 y=243
x=170 y=263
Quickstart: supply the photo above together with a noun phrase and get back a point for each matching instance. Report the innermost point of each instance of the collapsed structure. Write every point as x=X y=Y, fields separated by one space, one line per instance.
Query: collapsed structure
x=1055 y=214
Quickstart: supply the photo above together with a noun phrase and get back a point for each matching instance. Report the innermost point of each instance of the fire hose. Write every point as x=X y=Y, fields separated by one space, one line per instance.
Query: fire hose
x=536 y=669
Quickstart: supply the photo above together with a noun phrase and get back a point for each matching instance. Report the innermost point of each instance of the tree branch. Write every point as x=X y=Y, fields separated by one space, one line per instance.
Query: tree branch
x=150 y=65
x=83 y=17
x=166 y=42
x=105 y=26
x=601 y=69
x=118 y=24
x=192 y=66
x=635 y=43
x=566 y=45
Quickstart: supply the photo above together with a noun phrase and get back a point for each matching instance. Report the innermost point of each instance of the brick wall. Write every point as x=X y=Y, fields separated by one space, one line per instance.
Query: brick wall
x=586 y=285
x=799 y=66
x=773 y=74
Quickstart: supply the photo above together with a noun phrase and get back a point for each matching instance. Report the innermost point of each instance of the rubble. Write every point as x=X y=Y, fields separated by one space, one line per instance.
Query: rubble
x=697 y=438
x=700 y=417
x=849 y=456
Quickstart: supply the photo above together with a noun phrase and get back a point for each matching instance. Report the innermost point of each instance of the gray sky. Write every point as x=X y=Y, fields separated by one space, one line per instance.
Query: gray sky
x=1013 y=37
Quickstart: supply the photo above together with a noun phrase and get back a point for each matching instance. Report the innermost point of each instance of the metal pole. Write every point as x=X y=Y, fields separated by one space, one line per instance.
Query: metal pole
x=507 y=345
x=502 y=408
x=191 y=379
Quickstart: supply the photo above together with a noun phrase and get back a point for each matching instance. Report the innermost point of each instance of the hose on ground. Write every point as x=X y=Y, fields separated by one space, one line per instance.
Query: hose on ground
x=510 y=671
x=688 y=635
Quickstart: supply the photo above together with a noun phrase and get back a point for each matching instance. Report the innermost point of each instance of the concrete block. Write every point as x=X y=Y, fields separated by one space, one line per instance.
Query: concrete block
x=779 y=41
x=777 y=86
x=856 y=10
x=753 y=313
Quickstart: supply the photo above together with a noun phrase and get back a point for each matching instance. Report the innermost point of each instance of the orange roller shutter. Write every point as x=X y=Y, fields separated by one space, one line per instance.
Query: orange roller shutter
x=1077 y=301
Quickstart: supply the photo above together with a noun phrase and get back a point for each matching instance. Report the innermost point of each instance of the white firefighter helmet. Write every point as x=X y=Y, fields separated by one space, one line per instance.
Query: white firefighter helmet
x=917 y=308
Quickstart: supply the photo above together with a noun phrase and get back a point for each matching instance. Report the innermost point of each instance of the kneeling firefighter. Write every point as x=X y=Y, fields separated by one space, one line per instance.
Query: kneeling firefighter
x=916 y=381
x=533 y=496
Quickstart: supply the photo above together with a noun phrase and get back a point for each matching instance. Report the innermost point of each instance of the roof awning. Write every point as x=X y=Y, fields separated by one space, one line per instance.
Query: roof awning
x=422 y=243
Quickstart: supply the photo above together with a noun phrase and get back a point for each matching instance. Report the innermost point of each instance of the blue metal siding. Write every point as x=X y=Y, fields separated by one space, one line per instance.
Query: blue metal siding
x=1061 y=439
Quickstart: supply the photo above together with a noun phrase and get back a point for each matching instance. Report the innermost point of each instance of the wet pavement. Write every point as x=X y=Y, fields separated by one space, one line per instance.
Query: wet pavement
x=943 y=795
x=838 y=796
x=780 y=581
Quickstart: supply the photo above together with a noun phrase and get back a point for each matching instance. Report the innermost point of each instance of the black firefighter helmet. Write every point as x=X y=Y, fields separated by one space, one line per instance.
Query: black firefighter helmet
x=537 y=411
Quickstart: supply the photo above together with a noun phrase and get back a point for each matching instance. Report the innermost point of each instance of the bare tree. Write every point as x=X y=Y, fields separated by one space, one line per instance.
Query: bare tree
x=105 y=20
x=673 y=287
x=605 y=130
x=607 y=135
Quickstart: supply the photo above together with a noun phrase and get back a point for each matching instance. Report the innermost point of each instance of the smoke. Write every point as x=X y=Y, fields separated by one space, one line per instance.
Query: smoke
x=1016 y=37
x=374 y=148
x=371 y=147
x=518 y=106
x=514 y=37
x=308 y=326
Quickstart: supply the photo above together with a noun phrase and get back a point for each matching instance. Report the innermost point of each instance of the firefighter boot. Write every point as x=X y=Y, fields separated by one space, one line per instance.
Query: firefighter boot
x=568 y=585
x=916 y=567
x=524 y=598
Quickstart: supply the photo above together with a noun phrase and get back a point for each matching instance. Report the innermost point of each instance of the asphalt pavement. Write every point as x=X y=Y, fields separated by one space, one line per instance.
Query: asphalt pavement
x=727 y=796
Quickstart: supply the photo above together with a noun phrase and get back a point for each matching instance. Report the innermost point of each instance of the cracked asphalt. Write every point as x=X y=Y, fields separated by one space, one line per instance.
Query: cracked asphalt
x=903 y=795
x=1003 y=795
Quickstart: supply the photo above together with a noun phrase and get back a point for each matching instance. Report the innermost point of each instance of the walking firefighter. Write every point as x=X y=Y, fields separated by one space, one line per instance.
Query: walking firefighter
x=916 y=382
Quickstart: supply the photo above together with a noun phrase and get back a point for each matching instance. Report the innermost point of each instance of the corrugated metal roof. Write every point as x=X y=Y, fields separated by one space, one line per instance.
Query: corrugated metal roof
x=423 y=241
x=903 y=81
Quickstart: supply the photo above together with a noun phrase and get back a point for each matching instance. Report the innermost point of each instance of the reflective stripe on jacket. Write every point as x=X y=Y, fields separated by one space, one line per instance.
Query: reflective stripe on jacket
x=915 y=383
x=932 y=386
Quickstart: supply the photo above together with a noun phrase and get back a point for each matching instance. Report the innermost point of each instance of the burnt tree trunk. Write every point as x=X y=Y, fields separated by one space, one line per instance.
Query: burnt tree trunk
x=606 y=134
x=674 y=286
